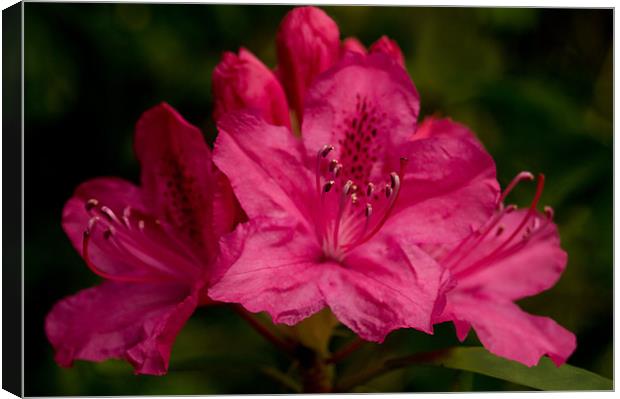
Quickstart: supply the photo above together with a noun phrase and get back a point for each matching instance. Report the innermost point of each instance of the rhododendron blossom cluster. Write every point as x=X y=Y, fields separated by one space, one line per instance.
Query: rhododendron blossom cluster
x=323 y=192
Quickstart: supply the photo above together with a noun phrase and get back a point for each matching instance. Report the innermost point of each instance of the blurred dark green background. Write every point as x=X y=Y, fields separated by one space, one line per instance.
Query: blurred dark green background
x=535 y=84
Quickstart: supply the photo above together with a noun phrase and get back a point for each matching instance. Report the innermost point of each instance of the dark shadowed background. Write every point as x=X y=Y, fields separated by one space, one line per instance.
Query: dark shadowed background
x=534 y=84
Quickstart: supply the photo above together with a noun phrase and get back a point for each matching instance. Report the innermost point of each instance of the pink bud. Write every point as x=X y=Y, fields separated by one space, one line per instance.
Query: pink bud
x=243 y=81
x=390 y=47
x=308 y=43
x=353 y=45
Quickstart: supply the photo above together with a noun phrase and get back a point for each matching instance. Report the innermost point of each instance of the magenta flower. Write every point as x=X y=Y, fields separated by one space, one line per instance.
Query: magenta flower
x=242 y=81
x=335 y=218
x=515 y=254
x=153 y=245
x=308 y=43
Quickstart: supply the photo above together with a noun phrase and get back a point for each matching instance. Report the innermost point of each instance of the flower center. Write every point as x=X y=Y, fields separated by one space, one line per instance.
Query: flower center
x=492 y=242
x=350 y=211
x=134 y=247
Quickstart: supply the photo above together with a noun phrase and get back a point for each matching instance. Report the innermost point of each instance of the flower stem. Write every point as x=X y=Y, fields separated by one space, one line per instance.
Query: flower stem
x=345 y=351
x=316 y=375
x=286 y=346
x=346 y=384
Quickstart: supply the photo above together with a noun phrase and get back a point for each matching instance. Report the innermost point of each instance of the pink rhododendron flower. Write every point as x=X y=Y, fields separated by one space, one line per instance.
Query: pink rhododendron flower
x=242 y=81
x=308 y=43
x=334 y=218
x=354 y=45
x=390 y=47
x=515 y=254
x=152 y=244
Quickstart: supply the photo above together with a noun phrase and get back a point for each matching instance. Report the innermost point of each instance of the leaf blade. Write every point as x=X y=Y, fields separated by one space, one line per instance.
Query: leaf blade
x=544 y=376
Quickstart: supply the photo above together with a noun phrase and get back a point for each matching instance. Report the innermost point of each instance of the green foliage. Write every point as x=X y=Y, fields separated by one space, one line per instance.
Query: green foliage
x=545 y=376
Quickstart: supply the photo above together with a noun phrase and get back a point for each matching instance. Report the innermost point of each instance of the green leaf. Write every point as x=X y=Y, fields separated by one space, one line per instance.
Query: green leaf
x=544 y=376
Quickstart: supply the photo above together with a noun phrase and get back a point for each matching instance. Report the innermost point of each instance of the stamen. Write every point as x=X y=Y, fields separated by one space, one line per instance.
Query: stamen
x=532 y=209
x=471 y=245
x=90 y=204
x=337 y=170
x=341 y=205
x=388 y=211
x=126 y=216
x=370 y=189
x=368 y=211
x=549 y=212
x=86 y=255
x=388 y=191
x=516 y=180
x=109 y=213
x=328 y=186
x=393 y=180
x=324 y=152
x=91 y=224
x=347 y=187
x=332 y=165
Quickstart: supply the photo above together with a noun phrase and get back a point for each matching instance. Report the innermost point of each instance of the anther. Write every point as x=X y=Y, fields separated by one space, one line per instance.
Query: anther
x=368 y=210
x=510 y=208
x=394 y=180
x=388 y=191
x=324 y=152
x=370 y=189
x=548 y=212
x=328 y=186
x=108 y=212
x=126 y=216
x=91 y=223
x=90 y=204
x=354 y=198
x=347 y=187
x=332 y=165
x=141 y=224
x=336 y=171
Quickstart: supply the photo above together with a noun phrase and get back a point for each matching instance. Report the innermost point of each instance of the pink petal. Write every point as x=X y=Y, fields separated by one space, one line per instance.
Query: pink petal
x=177 y=176
x=243 y=81
x=433 y=126
x=366 y=107
x=505 y=330
x=449 y=188
x=388 y=46
x=270 y=266
x=383 y=285
x=138 y=322
x=308 y=42
x=353 y=45
x=265 y=166
x=531 y=266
